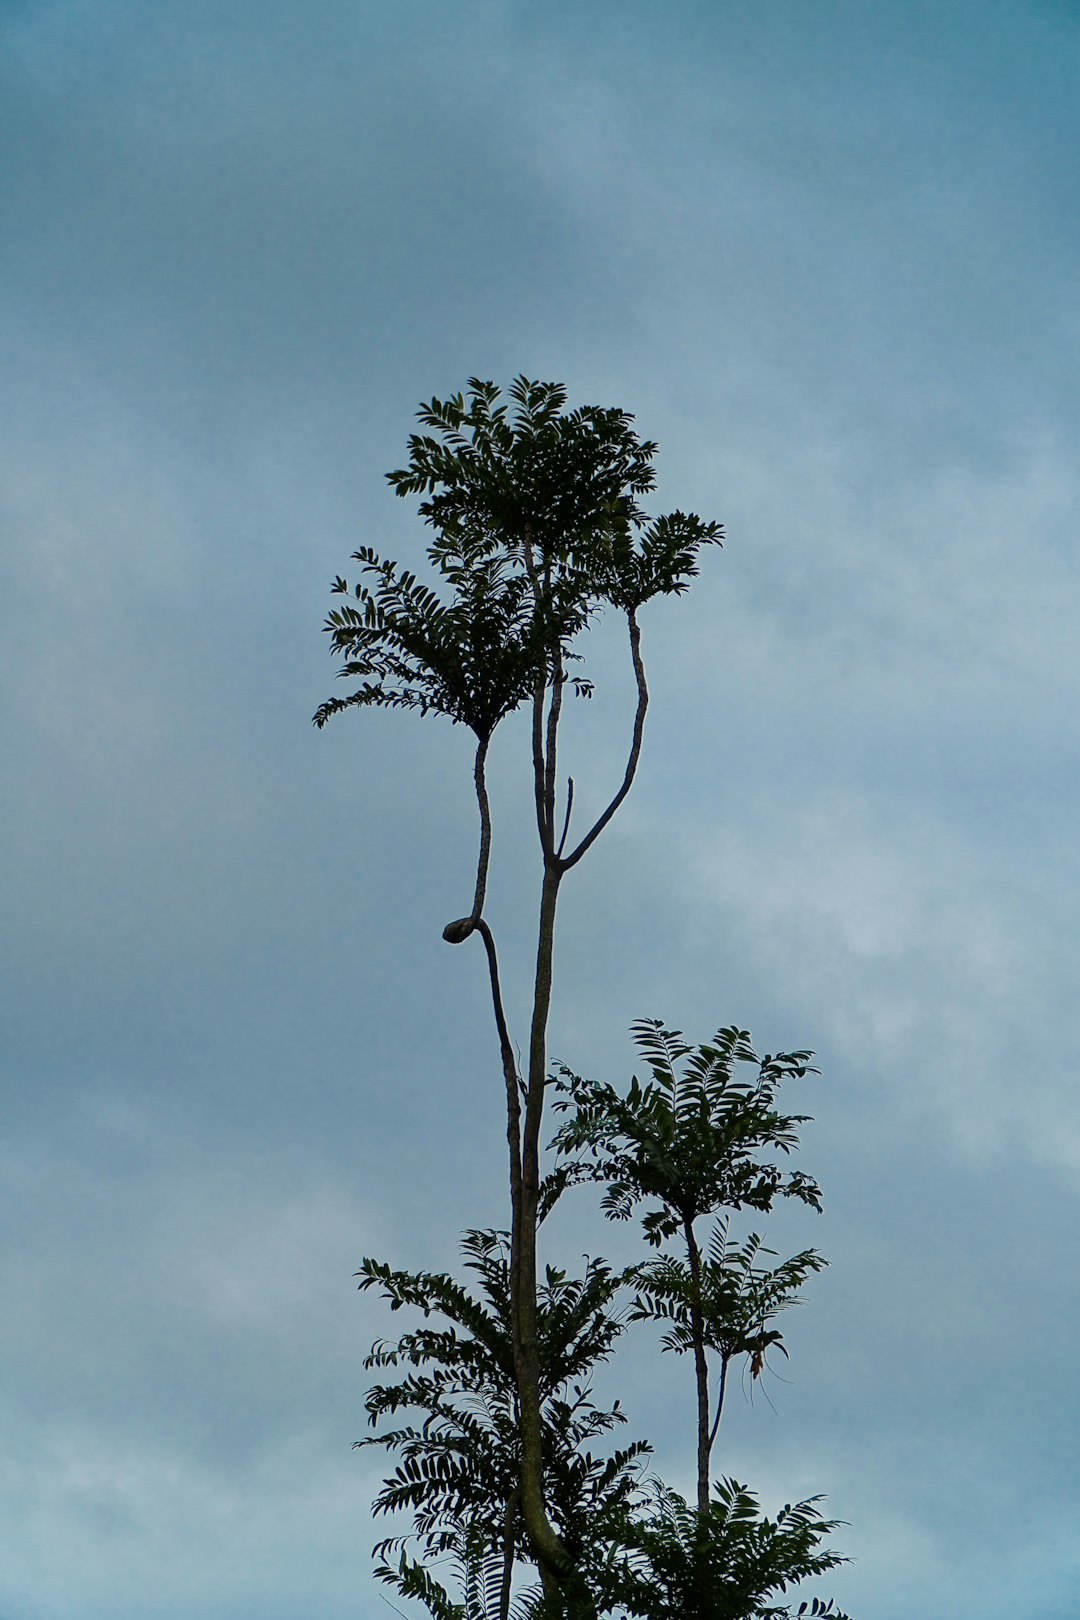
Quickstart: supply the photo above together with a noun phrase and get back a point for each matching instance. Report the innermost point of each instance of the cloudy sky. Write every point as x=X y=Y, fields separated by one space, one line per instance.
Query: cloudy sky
x=827 y=254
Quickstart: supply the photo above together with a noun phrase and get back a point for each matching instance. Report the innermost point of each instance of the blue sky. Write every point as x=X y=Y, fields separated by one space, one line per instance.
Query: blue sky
x=828 y=255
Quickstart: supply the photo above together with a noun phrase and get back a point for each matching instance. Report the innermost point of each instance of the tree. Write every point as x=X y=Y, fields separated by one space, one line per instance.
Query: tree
x=725 y=1564
x=460 y=1468
x=537 y=529
x=689 y=1144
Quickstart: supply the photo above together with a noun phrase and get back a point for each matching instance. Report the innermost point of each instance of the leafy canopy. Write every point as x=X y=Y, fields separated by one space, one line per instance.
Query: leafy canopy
x=690 y=1140
x=459 y=1445
x=729 y=1565
x=537 y=527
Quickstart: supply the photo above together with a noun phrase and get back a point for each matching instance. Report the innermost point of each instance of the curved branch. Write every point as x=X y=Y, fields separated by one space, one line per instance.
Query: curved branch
x=460 y=929
x=566 y=822
x=484 y=858
x=719 y=1402
x=635 y=748
x=510 y=1071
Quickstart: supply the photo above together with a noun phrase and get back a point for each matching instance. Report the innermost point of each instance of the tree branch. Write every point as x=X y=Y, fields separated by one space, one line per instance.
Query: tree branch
x=539 y=772
x=479 y=776
x=510 y=1070
x=508 y=1539
x=719 y=1401
x=566 y=822
x=551 y=746
x=701 y=1370
x=455 y=932
x=635 y=748
x=543 y=825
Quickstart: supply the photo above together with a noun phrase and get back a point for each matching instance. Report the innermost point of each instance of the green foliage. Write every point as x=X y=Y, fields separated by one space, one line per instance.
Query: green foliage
x=689 y=1140
x=674 y=1565
x=698 y=1138
x=474 y=658
x=739 y=1297
x=537 y=527
x=640 y=1550
x=459 y=1455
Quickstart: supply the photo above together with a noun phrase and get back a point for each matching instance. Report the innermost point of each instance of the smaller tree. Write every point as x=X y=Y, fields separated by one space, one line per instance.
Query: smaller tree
x=459 y=1471
x=689 y=1144
x=728 y=1564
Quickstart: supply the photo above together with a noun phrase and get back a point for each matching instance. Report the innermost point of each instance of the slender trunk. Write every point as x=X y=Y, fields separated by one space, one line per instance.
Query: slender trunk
x=539 y=767
x=701 y=1370
x=551 y=1556
x=545 y=831
x=460 y=930
x=508 y=1540
x=551 y=748
x=555 y=1564
x=512 y=1082
x=545 y=1541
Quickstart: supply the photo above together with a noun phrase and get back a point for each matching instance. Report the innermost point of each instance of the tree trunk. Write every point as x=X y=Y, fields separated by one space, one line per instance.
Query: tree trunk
x=701 y=1370
x=546 y=1543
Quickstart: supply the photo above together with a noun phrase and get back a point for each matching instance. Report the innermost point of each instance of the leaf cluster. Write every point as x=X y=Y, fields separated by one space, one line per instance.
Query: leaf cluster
x=690 y=1140
x=458 y=1455
x=739 y=1297
x=674 y=1565
x=537 y=527
x=473 y=658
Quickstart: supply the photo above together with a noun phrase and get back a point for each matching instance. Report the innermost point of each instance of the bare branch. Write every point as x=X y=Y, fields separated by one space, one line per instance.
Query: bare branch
x=485 y=828
x=546 y=831
x=459 y=930
x=721 y=1387
x=539 y=771
x=510 y=1070
x=635 y=748
x=558 y=679
x=566 y=822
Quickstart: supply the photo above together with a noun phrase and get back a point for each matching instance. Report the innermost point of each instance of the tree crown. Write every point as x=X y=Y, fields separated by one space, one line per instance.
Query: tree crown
x=537 y=528
x=689 y=1140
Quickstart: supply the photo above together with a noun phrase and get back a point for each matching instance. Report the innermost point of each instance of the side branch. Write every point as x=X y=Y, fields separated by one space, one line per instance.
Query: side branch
x=485 y=828
x=510 y=1070
x=456 y=932
x=554 y=711
x=543 y=820
x=569 y=812
x=635 y=748
x=539 y=768
x=719 y=1403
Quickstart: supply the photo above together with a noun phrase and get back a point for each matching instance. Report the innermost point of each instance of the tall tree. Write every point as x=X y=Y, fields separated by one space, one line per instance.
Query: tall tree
x=537 y=528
